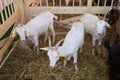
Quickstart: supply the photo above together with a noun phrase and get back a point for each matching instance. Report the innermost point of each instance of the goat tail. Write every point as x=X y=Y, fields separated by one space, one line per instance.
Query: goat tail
x=107 y=44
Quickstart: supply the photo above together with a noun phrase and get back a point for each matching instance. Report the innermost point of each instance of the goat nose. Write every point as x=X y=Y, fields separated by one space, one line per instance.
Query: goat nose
x=99 y=34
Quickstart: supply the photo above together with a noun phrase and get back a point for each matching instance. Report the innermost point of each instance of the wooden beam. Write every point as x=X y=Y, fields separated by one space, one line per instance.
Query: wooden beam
x=8 y=23
x=70 y=10
x=5 y=47
x=18 y=4
x=2 y=42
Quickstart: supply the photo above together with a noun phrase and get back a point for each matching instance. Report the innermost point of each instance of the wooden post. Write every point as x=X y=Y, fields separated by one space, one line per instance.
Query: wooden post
x=8 y=7
x=27 y=11
x=60 y=3
x=89 y=5
x=20 y=5
x=2 y=14
x=40 y=3
x=53 y=2
x=4 y=7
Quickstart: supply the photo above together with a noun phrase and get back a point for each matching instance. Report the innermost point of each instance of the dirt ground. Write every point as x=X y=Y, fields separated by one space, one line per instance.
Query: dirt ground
x=23 y=65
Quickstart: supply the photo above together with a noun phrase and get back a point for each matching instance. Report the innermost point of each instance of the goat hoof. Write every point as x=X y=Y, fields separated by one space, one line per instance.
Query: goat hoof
x=76 y=71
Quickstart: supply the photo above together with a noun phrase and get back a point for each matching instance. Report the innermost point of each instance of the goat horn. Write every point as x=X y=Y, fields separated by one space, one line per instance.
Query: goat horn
x=50 y=45
x=58 y=43
x=105 y=16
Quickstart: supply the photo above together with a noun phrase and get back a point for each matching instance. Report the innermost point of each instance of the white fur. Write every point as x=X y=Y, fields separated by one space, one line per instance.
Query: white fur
x=73 y=41
x=95 y=27
x=36 y=26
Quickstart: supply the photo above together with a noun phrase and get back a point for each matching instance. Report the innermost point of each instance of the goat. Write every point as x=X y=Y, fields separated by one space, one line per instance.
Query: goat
x=95 y=27
x=35 y=27
x=73 y=41
x=114 y=19
x=113 y=59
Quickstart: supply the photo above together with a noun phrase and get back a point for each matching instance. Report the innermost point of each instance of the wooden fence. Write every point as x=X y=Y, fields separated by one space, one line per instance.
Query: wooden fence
x=11 y=12
x=64 y=7
x=9 y=15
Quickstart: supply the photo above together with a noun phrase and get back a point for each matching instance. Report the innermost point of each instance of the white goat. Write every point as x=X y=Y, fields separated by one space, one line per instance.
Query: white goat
x=73 y=41
x=95 y=27
x=35 y=27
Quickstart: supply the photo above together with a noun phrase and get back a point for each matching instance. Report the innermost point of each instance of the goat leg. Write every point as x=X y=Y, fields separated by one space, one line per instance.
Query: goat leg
x=99 y=46
x=65 y=62
x=75 y=62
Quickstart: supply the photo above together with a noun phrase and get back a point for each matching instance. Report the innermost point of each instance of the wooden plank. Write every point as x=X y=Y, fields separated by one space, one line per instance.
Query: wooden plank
x=60 y=2
x=98 y=2
x=105 y=3
x=23 y=14
x=112 y=2
x=8 y=8
x=53 y=2
x=1 y=11
x=12 y=8
x=80 y=3
x=2 y=42
x=89 y=3
x=4 y=7
x=40 y=3
x=5 y=47
x=70 y=10
x=73 y=3
x=8 y=23
x=2 y=15
x=46 y=2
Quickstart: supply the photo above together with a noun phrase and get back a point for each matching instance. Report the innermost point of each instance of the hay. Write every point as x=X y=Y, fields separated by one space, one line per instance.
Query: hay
x=23 y=65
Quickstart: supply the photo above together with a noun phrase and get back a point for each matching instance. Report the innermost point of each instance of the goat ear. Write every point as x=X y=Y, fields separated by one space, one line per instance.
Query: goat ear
x=45 y=48
x=14 y=34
